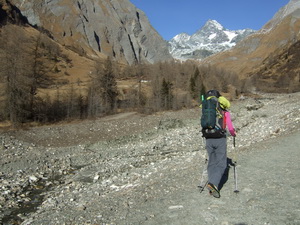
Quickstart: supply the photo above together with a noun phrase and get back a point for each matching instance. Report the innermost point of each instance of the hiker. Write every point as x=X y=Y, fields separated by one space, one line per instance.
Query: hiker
x=214 y=121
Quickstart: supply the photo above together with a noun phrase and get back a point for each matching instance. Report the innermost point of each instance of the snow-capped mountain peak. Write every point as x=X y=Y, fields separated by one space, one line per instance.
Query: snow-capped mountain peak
x=210 y=39
x=213 y=24
x=182 y=37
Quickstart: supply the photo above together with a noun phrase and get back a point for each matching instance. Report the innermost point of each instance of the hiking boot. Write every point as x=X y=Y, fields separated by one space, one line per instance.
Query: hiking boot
x=213 y=190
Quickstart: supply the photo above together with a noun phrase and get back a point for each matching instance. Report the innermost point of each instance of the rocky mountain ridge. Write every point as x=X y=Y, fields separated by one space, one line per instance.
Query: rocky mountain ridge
x=210 y=39
x=292 y=6
x=99 y=27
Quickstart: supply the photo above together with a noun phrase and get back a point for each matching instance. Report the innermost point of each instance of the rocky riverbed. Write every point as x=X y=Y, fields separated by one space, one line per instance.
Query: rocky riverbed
x=128 y=168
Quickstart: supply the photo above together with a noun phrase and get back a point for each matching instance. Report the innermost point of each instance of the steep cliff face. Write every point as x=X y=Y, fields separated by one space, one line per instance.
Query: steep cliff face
x=114 y=28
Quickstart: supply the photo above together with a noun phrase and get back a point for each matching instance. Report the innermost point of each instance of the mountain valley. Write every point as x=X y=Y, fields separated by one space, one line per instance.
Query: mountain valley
x=141 y=162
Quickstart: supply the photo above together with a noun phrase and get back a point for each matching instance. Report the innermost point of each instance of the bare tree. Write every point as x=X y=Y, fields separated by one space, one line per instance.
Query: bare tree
x=94 y=101
x=15 y=74
x=42 y=60
x=108 y=87
x=166 y=94
x=102 y=97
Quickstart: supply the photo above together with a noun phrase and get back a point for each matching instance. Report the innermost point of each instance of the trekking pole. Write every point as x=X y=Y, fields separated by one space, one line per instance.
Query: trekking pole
x=203 y=183
x=235 y=169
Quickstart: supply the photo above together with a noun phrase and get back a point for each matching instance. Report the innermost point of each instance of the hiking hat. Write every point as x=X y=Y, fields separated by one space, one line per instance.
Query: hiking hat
x=213 y=93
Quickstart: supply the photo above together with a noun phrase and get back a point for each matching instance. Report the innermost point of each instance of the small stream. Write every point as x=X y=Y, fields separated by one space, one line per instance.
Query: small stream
x=36 y=193
x=36 y=197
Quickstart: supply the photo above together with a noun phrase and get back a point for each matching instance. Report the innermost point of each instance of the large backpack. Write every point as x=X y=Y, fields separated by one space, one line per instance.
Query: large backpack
x=212 y=118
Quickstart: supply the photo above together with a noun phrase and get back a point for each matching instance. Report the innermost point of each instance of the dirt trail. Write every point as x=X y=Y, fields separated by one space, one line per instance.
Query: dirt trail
x=268 y=180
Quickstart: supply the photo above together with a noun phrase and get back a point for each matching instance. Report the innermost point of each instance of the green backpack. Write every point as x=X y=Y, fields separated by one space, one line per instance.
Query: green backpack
x=212 y=118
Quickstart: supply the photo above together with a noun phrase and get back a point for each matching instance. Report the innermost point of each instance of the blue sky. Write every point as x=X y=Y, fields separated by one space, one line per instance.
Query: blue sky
x=171 y=17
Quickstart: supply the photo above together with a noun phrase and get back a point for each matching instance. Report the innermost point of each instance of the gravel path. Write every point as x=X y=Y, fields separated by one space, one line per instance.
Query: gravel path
x=137 y=169
x=268 y=179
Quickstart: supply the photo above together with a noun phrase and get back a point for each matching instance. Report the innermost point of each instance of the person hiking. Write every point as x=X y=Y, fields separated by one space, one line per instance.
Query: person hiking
x=216 y=122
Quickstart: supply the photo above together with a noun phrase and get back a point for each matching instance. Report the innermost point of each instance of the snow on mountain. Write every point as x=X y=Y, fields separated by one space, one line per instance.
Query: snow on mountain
x=210 y=39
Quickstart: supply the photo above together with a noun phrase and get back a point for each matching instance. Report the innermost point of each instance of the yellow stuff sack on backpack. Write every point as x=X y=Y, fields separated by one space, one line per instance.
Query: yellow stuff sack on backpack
x=225 y=104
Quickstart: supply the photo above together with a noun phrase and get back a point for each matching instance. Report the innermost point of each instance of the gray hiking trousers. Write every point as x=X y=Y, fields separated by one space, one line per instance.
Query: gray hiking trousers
x=217 y=159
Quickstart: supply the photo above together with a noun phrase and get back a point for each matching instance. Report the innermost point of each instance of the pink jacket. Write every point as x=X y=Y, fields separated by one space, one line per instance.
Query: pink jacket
x=229 y=124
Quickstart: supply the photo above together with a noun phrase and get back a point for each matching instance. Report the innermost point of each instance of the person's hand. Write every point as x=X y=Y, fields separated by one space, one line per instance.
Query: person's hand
x=233 y=133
